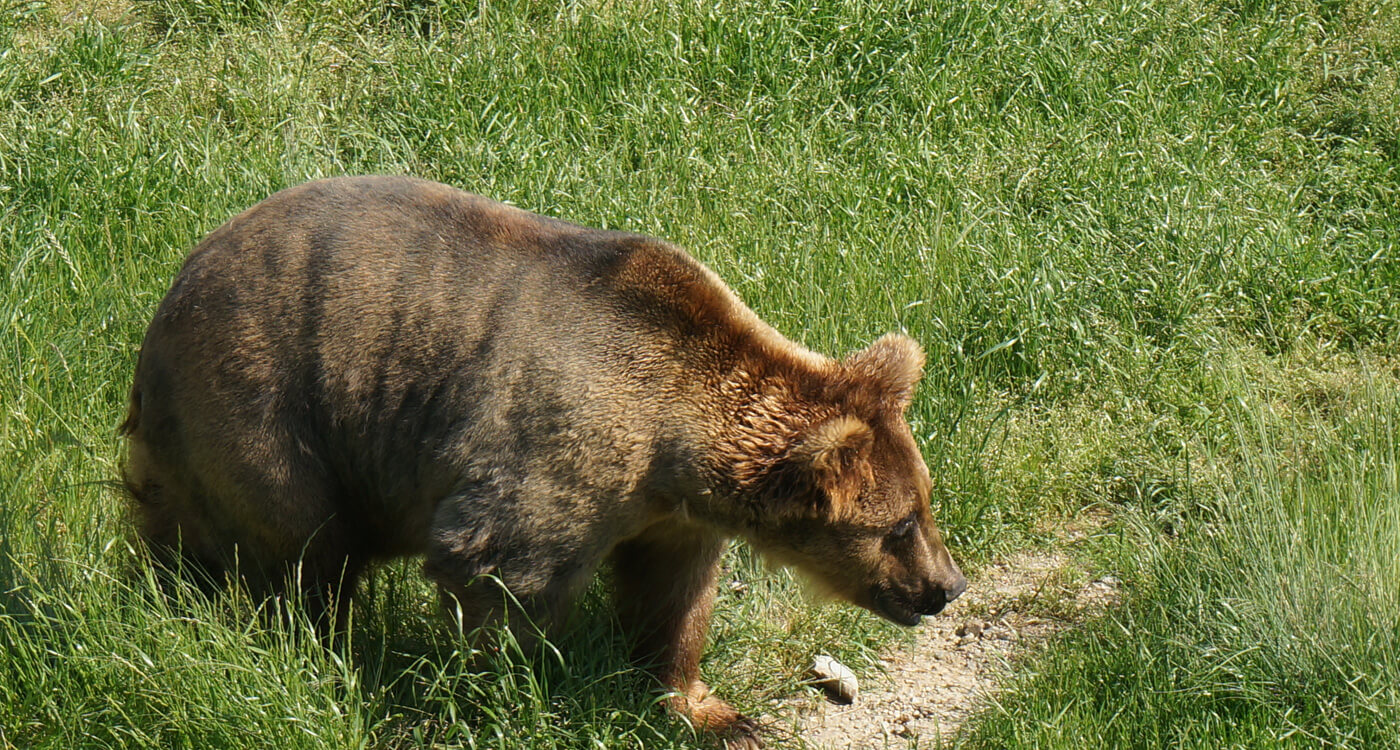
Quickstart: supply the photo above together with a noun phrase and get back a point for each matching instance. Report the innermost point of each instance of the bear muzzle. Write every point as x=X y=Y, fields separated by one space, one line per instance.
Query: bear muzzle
x=909 y=611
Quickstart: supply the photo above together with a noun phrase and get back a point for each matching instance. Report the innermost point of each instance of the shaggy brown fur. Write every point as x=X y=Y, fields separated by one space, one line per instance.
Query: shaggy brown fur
x=362 y=368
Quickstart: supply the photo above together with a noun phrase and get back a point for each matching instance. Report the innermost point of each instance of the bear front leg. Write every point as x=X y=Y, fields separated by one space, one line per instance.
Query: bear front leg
x=665 y=593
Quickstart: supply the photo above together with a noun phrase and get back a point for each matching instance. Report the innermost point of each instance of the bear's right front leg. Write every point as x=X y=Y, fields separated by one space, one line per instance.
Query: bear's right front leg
x=665 y=593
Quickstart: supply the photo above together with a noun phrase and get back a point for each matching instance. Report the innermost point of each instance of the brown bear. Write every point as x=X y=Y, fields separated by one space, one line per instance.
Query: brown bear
x=363 y=368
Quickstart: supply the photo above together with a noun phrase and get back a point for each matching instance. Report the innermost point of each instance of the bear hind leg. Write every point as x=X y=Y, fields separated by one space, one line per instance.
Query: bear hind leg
x=178 y=547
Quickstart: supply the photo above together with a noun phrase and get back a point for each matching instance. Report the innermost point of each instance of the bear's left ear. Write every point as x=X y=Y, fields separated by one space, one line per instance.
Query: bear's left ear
x=835 y=457
x=890 y=368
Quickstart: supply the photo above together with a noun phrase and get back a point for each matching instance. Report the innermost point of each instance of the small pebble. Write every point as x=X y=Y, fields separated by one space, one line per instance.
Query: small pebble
x=973 y=627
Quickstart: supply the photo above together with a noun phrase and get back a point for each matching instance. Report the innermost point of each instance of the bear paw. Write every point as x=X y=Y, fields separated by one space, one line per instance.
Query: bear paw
x=741 y=735
x=717 y=718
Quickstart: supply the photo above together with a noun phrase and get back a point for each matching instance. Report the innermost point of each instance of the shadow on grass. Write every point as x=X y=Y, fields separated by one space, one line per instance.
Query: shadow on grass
x=431 y=685
x=121 y=654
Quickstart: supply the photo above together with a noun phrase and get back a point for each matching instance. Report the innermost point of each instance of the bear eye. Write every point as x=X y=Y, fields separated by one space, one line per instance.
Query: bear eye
x=905 y=527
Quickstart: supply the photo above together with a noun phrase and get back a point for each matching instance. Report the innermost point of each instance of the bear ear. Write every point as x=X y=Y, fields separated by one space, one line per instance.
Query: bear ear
x=890 y=368
x=834 y=457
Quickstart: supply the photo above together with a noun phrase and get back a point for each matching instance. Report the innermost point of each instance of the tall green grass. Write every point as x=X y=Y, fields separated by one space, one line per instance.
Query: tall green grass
x=1073 y=206
x=1274 y=623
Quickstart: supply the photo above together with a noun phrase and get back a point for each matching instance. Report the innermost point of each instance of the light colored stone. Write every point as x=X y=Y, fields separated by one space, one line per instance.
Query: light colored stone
x=835 y=678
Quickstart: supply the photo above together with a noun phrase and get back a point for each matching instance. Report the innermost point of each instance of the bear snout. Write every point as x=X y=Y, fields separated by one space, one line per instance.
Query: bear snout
x=937 y=595
x=933 y=601
x=896 y=610
x=908 y=607
x=956 y=589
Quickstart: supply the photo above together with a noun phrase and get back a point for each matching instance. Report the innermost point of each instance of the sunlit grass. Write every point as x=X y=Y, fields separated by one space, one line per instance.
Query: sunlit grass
x=1274 y=622
x=1077 y=208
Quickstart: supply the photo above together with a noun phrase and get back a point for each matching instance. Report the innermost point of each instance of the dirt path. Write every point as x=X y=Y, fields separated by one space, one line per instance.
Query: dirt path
x=931 y=686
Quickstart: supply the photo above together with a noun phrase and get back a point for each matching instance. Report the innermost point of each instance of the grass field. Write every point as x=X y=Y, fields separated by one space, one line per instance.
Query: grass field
x=1152 y=251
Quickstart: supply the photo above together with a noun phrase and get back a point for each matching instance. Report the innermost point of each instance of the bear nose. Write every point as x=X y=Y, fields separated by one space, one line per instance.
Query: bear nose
x=955 y=591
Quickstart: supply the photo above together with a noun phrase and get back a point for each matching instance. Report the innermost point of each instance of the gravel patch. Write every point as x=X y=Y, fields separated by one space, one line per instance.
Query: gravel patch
x=930 y=687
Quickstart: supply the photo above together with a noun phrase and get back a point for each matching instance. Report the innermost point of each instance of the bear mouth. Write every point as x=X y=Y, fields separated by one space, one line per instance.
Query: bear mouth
x=896 y=611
